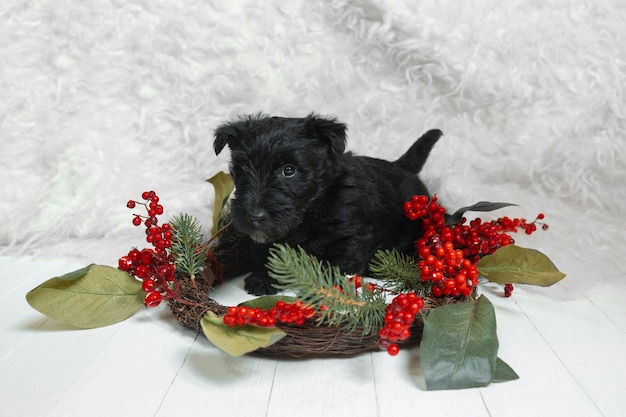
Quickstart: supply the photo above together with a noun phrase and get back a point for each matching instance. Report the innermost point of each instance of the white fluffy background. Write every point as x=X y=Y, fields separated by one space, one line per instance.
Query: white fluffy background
x=100 y=100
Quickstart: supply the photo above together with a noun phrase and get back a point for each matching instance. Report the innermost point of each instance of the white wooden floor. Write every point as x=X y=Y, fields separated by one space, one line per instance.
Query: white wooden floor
x=570 y=355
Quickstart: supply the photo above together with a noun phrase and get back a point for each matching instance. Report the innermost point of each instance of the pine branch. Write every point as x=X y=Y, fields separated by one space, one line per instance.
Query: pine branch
x=188 y=251
x=325 y=287
x=399 y=271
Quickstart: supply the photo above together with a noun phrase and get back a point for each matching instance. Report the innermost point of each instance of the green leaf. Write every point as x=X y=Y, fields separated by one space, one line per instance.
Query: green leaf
x=516 y=265
x=480 y=206
x=504 y=372
x=237 y=341
x=223 y=186
x=94 y=296
x=459 y=345
x=267 y=301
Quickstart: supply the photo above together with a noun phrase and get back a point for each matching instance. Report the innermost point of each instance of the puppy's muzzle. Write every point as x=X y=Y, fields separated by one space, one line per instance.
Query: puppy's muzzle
x=257 y=217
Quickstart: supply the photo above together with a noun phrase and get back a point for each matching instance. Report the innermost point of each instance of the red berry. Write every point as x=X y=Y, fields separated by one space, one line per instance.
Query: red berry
x=136 y=220
x=131 y=204
x=142 y=271
x=133 y=255
x=146 y=257
x=424 y=252
x=164 y=271
x=396 y=326
x=393 y=349
x=508 y=290
x=146 y=195
x=153 y=299
x=148 y=285
x=405 y=333
x=357 y=281
x=124 y=263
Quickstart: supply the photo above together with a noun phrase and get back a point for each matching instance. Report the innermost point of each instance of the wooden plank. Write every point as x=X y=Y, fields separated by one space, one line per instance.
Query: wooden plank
x=546 y=386
x=211 y=382
x=587 y=342
x=124 y=369
x=612 y=302
x=324 y=386
x=19 y=275
x=49 y=368
x=401 y=390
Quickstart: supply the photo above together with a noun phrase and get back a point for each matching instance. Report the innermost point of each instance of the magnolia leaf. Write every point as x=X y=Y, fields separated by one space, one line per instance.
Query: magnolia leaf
x=267 y=301
x=239 y=340
x=480 y=206
x=504 y=372
x=516 y=265
x=94 y=296
x=223 y=186
x=459 y=347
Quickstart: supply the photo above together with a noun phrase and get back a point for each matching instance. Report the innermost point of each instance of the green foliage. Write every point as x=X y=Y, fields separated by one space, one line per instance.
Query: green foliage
x=325 y=287
x=267 y=302
x=223 y=187
x=94 y=296
x=399 y=271
x=504 y=372
x=188 y=251
x=516 y=265
x=459 y=347
x=480 y=206
x=239 y=340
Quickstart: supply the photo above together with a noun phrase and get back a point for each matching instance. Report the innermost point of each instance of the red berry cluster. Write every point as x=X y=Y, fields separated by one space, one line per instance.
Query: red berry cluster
x=282 y=312
x=399 y=316
x=154 y=266
x=479 y=238
x=159 y=236
x=440 y=263
x=448 y=254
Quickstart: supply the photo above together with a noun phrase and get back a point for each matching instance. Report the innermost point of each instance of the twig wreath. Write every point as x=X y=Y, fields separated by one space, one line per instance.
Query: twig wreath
x=430 y=299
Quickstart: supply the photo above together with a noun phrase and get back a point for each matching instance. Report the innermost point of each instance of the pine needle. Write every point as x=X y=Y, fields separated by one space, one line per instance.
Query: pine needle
x=398 y=270
x=188 y=251
x=329 y=290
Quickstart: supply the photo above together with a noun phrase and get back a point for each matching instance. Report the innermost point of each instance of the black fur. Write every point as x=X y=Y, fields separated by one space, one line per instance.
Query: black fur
x=294 y=184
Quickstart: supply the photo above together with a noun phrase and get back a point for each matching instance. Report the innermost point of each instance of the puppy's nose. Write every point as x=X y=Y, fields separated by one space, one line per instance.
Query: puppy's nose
x=257 y=217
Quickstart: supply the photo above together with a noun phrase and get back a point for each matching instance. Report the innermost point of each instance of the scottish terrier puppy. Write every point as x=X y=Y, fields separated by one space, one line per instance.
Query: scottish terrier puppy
x=294 y=184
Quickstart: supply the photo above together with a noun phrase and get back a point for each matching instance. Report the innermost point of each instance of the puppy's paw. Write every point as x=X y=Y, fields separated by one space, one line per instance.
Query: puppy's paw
x=259 y=283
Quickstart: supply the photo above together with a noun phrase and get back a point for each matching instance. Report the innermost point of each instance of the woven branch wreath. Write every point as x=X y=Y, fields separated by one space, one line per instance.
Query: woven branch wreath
x=430 y=298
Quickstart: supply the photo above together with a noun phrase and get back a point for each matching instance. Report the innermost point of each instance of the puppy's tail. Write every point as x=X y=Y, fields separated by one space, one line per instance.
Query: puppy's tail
x=415 y=158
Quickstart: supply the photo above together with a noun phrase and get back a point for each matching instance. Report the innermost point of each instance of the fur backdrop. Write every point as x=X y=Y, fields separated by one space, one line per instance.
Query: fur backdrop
x=100 y=100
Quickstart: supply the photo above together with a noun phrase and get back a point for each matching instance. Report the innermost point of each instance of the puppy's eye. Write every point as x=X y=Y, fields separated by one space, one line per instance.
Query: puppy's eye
x=289 y=171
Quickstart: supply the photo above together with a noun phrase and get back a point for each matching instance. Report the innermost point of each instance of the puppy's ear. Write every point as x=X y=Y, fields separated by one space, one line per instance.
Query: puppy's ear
x=223 y=136
x=329 y=130
x=229 y=133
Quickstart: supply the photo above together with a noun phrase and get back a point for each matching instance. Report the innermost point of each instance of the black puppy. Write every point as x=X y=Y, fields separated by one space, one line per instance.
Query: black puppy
x=294 y=184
